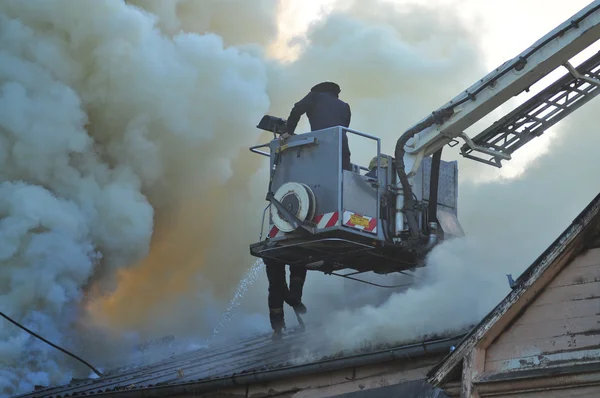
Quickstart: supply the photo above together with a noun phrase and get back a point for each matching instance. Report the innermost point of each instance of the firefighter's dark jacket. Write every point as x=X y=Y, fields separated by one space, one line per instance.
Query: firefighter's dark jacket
x=323 y=110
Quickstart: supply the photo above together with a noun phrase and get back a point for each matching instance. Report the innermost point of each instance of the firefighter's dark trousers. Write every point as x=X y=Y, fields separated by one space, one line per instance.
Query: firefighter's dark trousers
x=346 y=164
x=279 y=292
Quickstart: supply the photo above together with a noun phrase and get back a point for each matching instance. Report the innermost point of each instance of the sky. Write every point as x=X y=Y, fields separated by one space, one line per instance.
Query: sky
x=505 y=27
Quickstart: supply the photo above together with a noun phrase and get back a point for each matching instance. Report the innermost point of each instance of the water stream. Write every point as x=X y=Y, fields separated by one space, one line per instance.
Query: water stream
x=241 y=290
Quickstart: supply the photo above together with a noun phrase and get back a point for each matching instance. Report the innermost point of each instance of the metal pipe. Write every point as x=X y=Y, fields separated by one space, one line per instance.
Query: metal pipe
x=361 y=134
x=340 y=173
x=262 y=223
x=433 y=237
x=399 y=213
x=255 y=147
x=399 y=208
x=409 y=203
x=378 y=189
x=434 y=183
x=405 y=352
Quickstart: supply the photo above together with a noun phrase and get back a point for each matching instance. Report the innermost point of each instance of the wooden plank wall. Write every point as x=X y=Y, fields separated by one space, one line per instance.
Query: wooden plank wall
x=562 y=324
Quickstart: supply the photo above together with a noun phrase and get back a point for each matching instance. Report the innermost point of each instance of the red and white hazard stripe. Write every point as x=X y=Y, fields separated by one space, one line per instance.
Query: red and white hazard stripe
x=323 y=221
x=360 y=222
x=274 y=232
x=327 y=220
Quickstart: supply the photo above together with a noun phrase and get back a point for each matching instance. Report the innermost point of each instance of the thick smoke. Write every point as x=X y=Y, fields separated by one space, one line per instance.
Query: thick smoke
x=128 y=197
x=199 y=248
x=109 y=130
x=377 y=60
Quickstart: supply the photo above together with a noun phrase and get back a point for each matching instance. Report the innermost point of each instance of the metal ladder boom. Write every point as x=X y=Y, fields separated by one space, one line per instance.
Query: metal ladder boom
x=507 y=81
x=536 y=115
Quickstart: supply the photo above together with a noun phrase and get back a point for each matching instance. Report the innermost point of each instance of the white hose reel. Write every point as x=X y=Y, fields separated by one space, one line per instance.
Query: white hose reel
x=298 y=199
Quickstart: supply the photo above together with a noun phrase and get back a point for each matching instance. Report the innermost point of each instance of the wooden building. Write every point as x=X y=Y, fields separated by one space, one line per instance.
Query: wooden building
x=543 y=339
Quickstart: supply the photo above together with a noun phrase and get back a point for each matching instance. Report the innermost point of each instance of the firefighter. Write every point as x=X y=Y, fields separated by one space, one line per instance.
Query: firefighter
x=324 y=109
x=279 y=293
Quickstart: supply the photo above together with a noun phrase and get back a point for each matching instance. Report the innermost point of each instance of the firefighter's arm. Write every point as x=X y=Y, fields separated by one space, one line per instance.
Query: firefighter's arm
x=299 y=109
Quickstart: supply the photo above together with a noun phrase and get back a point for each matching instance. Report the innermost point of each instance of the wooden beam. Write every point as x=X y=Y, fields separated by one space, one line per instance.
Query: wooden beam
x=549 y=383
x=471 y=362
x=478 y=364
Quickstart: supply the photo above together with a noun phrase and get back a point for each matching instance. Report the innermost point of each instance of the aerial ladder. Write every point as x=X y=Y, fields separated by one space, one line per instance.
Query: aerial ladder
x=387 y=217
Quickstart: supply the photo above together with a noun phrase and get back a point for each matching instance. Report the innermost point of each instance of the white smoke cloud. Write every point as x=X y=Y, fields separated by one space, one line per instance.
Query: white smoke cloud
x=123 y=164
x=104 y=121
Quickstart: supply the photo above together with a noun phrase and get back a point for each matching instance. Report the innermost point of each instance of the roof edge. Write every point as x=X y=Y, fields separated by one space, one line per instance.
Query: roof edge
x=403 y=352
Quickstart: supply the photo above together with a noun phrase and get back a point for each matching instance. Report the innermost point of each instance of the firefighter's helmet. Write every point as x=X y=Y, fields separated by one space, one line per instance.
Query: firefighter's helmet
x=383 y=163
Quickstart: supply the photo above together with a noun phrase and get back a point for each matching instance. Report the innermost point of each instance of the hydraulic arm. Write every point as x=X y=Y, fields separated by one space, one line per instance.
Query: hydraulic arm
x=530 y=120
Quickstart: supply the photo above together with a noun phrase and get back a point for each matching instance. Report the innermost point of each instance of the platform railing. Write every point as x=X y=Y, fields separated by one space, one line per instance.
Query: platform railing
x=377 y=187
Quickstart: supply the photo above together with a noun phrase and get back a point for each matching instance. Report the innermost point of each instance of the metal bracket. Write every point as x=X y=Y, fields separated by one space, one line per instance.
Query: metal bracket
x=481 y=149
x=254 y=149
x=453 y=143
x=578 y=75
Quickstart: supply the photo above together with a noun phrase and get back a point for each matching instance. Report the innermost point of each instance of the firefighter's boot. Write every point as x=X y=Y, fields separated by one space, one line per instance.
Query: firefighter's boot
x=277 y=335
x=277 y=322
x=294 y=296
